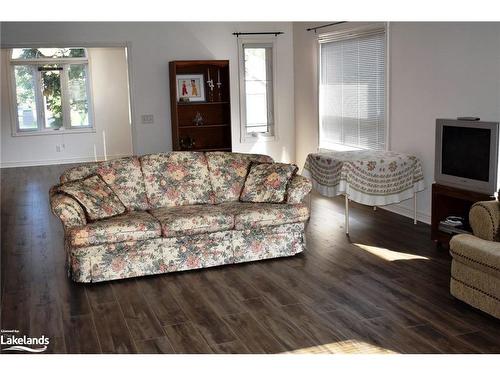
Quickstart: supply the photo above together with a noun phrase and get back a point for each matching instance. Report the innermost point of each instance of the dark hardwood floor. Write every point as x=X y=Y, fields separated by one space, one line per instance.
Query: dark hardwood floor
x=383 y=290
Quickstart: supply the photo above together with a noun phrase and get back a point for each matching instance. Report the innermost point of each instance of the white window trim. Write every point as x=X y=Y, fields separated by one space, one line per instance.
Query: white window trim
x=273 y=134
x=342 y=147
x=41 y=130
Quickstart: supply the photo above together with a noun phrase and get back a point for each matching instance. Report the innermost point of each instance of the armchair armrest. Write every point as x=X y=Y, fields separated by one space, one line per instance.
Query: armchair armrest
x=484 y=219
x=67 y=209
x=298 y=188
x=476 y=252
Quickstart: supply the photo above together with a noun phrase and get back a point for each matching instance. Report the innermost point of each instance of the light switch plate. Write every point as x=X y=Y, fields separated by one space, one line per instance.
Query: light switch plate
x=147 y=119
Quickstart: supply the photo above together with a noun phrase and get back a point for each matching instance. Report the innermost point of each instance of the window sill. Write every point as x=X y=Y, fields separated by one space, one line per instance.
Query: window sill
x=258 y=137
x=52 y=132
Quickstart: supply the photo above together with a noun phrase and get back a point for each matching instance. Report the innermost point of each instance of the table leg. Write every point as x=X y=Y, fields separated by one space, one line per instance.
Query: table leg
x=415 y=207
x=346 y=214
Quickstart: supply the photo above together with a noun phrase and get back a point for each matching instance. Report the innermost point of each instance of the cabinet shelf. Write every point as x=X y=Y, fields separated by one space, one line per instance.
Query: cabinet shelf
x=447 y=201
x=202 y=126
x=188 y=104
x=215 y=135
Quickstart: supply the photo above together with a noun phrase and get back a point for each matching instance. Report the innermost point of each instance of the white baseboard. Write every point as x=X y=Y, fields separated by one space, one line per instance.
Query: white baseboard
x=35 y=163
x=404 y=211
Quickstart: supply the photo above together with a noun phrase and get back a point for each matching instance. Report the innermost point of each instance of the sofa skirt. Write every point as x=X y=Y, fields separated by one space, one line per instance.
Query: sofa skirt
x=478 y=289
x=161 y=255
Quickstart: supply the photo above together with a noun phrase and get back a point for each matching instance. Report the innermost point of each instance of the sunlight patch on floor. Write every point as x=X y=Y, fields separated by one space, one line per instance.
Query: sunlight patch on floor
x=387 y=254
x=343 y=347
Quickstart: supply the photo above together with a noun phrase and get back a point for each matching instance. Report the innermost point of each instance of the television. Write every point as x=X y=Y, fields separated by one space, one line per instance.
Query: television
x=467 y=155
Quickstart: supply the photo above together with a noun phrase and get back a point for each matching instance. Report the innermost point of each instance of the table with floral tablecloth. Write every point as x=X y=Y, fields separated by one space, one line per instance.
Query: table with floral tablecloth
x=374 y=178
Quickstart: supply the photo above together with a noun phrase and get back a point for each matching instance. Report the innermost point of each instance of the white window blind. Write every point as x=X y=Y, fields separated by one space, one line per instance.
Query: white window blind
x=352 y=90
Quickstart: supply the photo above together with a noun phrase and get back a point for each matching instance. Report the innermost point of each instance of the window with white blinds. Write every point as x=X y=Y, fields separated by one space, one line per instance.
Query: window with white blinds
x=352 y=90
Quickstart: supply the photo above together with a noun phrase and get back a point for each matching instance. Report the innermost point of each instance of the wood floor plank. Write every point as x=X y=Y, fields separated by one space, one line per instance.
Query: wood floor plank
x=314 y=325
x=234 y=283
x=100 y=293
x=162 y=301
x=160 y=345
x=482 y=341
x=80 y=335
x=276 y=323
x=357 y=333
x=256 y=338
x=234 y=347
x=262 y=280
x=395 y=336
x=112 y=331
x=139 y=318
x=199 y=310
x=185 y=338
x=443 y=342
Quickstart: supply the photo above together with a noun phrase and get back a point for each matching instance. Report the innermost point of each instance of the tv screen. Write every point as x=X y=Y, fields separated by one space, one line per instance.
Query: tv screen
x=466 y=152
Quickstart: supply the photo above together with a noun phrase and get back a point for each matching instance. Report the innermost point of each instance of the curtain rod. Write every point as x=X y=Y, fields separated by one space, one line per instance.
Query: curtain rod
x=326 y=25
x=275 y=33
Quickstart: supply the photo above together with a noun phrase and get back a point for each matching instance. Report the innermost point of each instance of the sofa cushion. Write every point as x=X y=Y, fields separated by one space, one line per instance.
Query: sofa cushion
x=189 y=220
x=96 y=198
x=131 y=226
x=176 y=178
x=124 y=177
x=254 y=215
x=267 y=182
x=228 y=171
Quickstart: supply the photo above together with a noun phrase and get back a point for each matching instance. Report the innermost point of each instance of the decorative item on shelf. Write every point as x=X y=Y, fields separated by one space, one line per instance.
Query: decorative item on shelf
x=186 y=143
x=198 y=119
x=210 y=83
x=190 y=87
x=219 y=85
x=184 y=99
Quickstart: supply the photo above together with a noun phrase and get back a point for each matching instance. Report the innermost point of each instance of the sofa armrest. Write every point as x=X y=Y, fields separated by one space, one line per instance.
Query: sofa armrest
x=484 y=219
x=67 y=209
x=298 y=188
x=476 y=252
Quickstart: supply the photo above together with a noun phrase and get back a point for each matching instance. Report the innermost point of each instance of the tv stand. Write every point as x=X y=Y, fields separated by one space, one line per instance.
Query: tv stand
x=447 y=201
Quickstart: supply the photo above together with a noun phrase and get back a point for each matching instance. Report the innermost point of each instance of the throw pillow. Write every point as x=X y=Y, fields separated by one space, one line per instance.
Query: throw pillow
x=97 y=198
x=267 y=182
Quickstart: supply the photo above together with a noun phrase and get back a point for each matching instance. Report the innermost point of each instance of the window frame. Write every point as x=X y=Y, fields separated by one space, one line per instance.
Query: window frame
x=357 y=30
x=272 y=133
x=64 y=62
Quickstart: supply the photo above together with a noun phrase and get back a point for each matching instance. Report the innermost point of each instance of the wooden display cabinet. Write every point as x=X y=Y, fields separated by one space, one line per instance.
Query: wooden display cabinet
x=451 y=201
x=214 y=134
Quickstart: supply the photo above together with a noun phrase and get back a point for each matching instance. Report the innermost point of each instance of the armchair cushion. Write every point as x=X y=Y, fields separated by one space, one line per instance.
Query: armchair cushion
x=97 y=199
x=298 y=188
x=196 y=219
x=228 y=171
x=123 y=176
x=131 y=226
x=484 y=218
x=267 y=182
x=176 y=178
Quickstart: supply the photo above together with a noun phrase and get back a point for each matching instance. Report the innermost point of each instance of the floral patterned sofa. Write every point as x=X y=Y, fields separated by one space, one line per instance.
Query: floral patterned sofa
x=182 y=212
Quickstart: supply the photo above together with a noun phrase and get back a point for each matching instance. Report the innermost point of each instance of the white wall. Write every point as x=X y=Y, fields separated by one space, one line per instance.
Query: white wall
x=153 y=45
x=108 y=71
x=436 y=70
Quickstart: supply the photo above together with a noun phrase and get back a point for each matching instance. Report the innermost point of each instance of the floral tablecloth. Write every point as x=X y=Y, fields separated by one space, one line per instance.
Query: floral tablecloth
x=374 y=178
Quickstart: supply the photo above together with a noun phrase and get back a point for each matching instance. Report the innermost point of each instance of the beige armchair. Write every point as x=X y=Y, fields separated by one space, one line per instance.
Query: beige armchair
x=475 y=268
